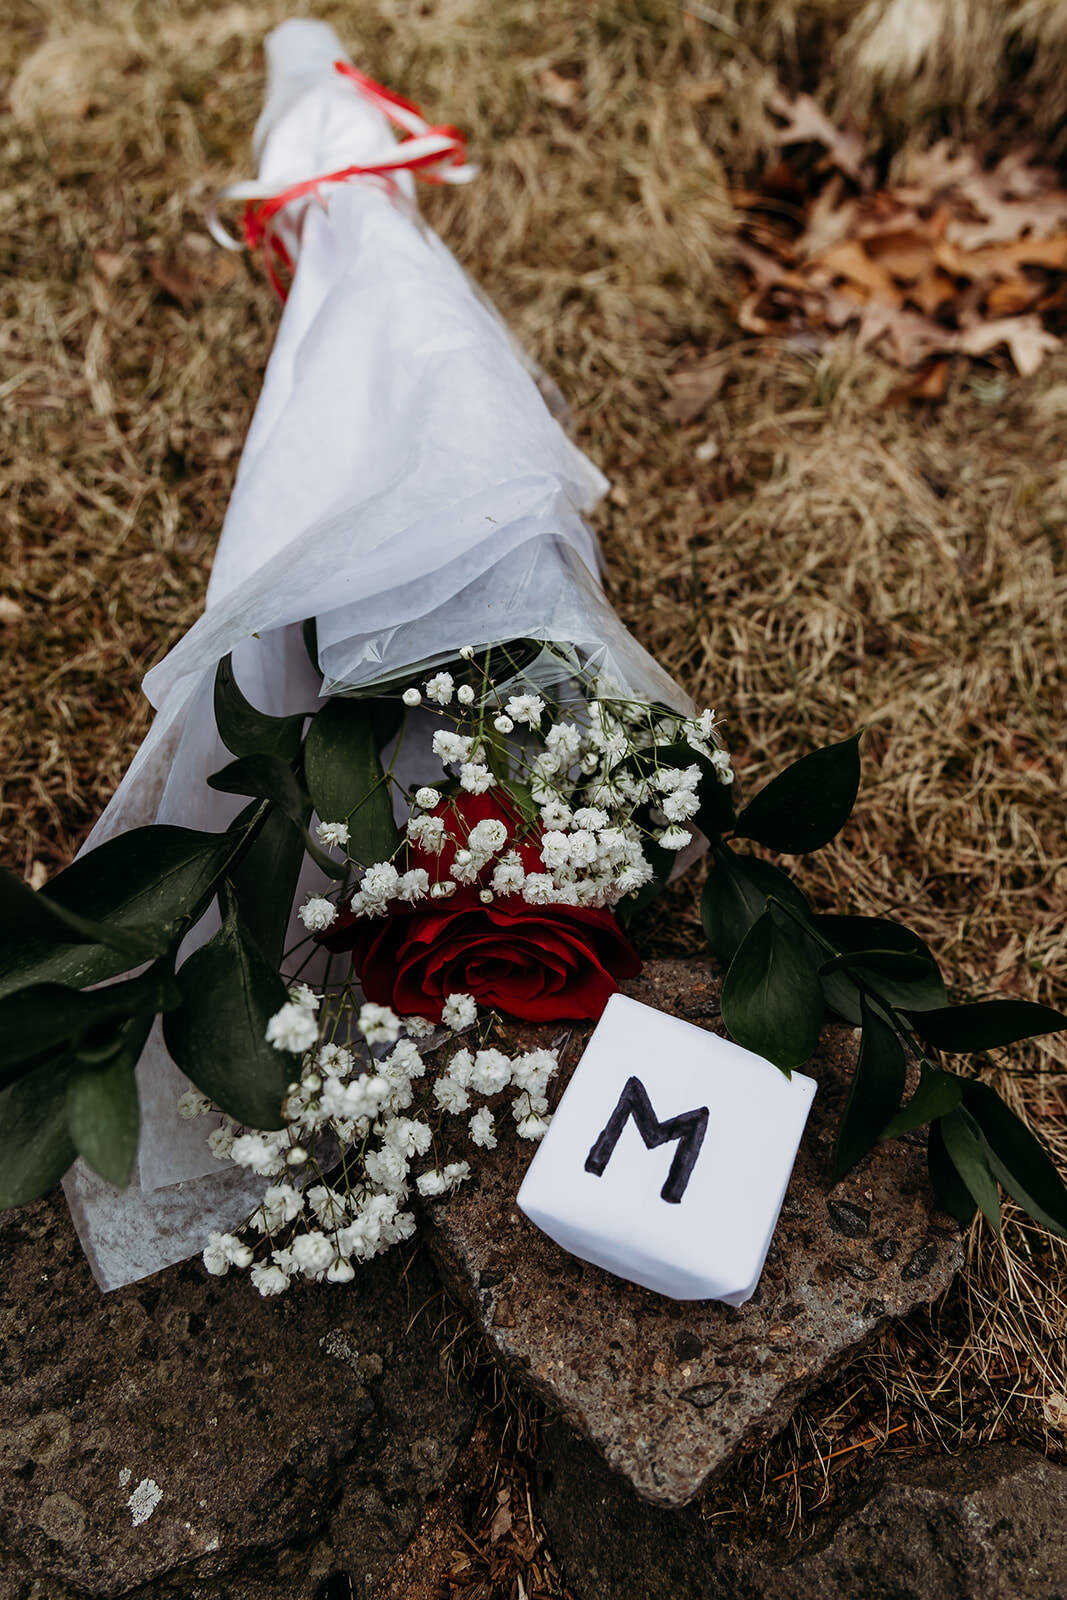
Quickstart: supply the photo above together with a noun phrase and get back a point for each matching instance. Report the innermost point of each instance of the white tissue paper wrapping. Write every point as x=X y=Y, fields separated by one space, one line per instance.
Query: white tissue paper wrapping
x=404 y=483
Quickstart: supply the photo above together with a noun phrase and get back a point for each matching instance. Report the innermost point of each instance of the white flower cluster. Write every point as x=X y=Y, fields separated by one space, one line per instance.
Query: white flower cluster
x=367 y=1115
x=593 y=771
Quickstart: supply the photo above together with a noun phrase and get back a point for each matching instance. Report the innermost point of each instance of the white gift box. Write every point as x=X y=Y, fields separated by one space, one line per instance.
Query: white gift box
x=669 y=1156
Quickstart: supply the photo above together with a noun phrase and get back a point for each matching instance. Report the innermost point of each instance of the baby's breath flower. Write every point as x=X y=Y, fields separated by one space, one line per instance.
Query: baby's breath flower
x=475 y=778
x=538 y=889
x=259 y=1152
x=292 y=1028
x=467 y=652
x=481 y=1129
x=312 y=1253
x=414 y=885
x=428 y=833
x=492 y=1072
x=193 y=1104
x=442 y=891
x=450 y=1096
x=503 y=724
x=317 y=913
x=411 y=697
x=508 y=875
x=556 y=815
x=439 y=688
x=333 y=834
x=465 y=694
x=378 y=1024
x=427 y=798
x=525 y=708
x=459 y=1012
x=488 y=836
x=450 y=746
x=675 y=838
x=268 y=1278
x=220 y=1142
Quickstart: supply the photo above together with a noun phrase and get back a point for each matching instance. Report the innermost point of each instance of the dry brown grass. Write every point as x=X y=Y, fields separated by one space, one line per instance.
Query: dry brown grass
x=801 y=557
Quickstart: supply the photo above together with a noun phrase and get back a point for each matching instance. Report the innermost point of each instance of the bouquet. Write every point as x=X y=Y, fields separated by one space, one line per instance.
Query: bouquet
x=409 y=779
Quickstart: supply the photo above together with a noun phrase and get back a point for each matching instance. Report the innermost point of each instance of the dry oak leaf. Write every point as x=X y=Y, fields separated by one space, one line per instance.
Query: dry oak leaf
x=851 y=261
x=1027 y=340
x=807 y=123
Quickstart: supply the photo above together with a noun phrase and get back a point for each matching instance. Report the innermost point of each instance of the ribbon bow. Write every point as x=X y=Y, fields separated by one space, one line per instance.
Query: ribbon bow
x=436 y=154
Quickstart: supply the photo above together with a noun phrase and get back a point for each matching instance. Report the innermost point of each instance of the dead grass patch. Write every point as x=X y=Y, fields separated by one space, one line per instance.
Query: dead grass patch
x=803 y=558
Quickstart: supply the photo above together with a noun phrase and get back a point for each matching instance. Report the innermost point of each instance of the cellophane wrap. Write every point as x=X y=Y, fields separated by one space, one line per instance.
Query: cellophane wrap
x=405 y=484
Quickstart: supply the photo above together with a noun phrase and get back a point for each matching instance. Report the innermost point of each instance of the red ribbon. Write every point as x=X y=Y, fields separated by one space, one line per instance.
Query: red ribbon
x=434 y=153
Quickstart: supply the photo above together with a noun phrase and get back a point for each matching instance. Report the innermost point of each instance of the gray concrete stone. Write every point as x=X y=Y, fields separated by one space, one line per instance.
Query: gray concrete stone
x=184 y=1439
x=669 y=1392
x=991 y=1523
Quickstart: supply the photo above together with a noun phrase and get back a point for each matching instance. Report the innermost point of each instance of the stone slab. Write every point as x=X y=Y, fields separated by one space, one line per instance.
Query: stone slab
x=669 y=1392
x=266 y=1444
x=989 y=1523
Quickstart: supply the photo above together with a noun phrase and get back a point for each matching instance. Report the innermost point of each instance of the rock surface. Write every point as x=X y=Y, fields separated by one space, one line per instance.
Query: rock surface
x=991 y=1523
x=184 y=1439
x=669 y=1392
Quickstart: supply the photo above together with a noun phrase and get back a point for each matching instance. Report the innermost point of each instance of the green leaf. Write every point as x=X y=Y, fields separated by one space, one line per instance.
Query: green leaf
x=217 y=1035
x=34 y=914
x=344 y=775
x=265 y=883
x=875 y=1092
x=952 y=1193
x=856 y=935
x=771 y=999
x=807 y=804
x=33 y=1125
x=248 y=732
x=1018 y=1159
x=264 y=777
x=966 y=1150
x=103 y=1113
x=735 y=896
x=159 y=878
x=48 y=1017
x=271 y=779
x=897 y=964
x=985 y=1024
x=938 y=1094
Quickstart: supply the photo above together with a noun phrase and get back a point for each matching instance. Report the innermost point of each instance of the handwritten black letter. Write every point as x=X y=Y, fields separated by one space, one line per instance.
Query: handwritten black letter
x=689 y=1129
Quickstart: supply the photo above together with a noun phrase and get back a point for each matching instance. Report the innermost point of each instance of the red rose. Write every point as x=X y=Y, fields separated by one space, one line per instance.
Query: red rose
x=539 y=963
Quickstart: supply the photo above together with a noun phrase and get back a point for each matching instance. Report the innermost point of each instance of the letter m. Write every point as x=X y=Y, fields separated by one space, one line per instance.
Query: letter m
x=689 y=1129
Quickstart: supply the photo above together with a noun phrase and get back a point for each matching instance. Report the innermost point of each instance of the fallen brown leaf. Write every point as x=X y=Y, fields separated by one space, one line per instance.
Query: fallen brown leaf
x=175 y=280
x=1008 y=298
x=694 y=388
x=906 y=255
x=807 y=123
x=930 y=382
x=1027 y=340
x=958 y=258
x=851 y=261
